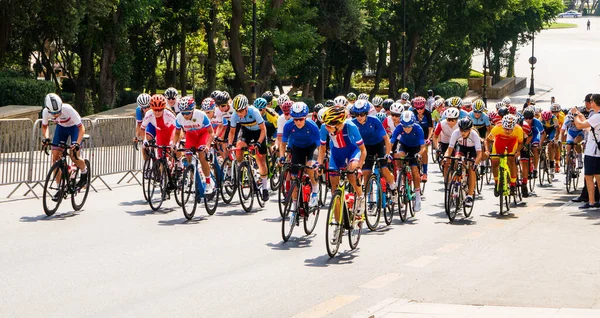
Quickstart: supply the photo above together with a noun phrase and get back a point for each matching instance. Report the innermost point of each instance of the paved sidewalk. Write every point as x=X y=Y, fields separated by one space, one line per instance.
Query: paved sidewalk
x=395 y=307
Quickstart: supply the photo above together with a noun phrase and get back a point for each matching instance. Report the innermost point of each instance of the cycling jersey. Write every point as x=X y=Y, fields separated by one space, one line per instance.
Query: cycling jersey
x=372 y=131
x=502 y=140
x=281 y=121
x=425 y=122
x=445 y=131
x=68 y=117
x=550 y=123
x=388 y=125
x=271 y=117
x=165 y=126
x=251 y=121
x=482 y=121
x=436 y=116
x=348 y=137
x=572 y=131
x=536 y=129
x=473 y=140
x=462 y=114
x=429 y=103
x=222 y=117
x=307 y=136
x=198 y=121
x=414 y=138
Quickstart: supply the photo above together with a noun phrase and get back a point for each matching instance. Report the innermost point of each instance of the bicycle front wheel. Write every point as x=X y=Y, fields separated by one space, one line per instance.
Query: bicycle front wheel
x=146 y=172
x=454 y=195
x=211 y=200
x=80 y=194
x=402 y=197
x=290 y=217
x=275 y=171
x=311 y=216
x=246 y=186
x=229 y=181
x=373 y=200
x=388 y=212
x=158 y=185
x=189 y=192
x=54 y=188
x=333 y=230
x=284 y=187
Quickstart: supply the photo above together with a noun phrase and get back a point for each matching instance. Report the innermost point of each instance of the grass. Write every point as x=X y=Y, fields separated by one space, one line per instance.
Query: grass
x=556 y=25
x=475 y=73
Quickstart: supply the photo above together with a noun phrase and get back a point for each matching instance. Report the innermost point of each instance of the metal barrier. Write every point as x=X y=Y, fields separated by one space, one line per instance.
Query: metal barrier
x=15 y=149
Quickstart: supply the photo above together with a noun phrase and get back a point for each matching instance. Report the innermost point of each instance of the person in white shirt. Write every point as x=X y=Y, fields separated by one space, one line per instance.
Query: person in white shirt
x=591 y=160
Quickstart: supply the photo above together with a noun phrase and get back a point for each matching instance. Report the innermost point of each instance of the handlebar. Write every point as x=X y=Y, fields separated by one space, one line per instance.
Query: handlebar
x=62 y=145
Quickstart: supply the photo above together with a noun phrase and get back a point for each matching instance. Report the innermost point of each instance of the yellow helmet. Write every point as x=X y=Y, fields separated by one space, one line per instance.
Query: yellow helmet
x=240 y=102
x=334 y=115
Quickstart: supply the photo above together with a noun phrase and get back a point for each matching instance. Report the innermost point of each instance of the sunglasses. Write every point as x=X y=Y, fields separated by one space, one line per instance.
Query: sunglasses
x=298 y=119
x=394 y=115
x=187 y=112
x=55 y=113
x=223 y=105
x=477 y=111
x=158 y=110
x=451 y=119
x=170 y=98
x=361 y=115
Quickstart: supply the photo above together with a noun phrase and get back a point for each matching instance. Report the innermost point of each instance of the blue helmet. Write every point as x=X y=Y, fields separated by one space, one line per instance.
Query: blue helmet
x=407 y=119
x=299 y=109
x=361 y=107
x=260 y=103
x=381 y=116
x=187 y=104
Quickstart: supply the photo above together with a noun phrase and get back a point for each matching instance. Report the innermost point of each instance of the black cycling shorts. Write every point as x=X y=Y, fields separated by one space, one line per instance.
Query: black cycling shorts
x=302 y=156
x=410 y=152
x=251 y=136
x=468 y=152
x=377 y=150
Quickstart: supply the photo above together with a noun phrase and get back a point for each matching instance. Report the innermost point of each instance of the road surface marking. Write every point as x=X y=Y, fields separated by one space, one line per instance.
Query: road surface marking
x=327 y=306
x=422 y=261
x=448 y=248
x=381 y=281
x=474 y=235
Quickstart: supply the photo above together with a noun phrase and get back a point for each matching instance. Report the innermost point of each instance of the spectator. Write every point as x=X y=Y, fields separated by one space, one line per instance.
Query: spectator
x=528 y=103
x=588 y=24
x=592 y=151
x=430 y=101
x=588 y=112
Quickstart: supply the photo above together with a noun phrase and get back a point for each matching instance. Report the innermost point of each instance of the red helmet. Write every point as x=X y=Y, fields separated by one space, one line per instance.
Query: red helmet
x=547 y=115
x=419 y=102
x=494 y=118
x=286 y=107
x=158 y=102
x=512 y=109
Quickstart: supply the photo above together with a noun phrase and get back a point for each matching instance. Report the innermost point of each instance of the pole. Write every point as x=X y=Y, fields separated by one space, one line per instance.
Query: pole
x=484 y=86
x=532 y=61
x=323 y=56
x=253 y=49
x=403 y=41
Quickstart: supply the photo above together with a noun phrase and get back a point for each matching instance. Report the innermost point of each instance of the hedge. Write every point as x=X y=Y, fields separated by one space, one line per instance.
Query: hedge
x=452 y=87
x=24 y=91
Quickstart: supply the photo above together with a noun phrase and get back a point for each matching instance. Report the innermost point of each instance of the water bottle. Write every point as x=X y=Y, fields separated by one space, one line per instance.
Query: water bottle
x=306 y=190
x=350 y=200
x=383 y=184
x=72 y=171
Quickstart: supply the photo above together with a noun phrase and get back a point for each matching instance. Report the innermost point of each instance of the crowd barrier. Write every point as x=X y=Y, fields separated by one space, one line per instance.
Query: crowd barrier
x=107 y=145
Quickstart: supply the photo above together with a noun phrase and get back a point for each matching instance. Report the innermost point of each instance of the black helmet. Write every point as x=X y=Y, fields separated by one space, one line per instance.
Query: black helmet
x=387 y=103
x=318 y=107
x=528 y=113
x=465 y=123
x=268 y=96
x=503 y=111
x=329 y=103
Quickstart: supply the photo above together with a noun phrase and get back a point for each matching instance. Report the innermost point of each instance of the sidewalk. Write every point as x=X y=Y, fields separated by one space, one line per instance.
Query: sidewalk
x=518 y=98
x=395 y=307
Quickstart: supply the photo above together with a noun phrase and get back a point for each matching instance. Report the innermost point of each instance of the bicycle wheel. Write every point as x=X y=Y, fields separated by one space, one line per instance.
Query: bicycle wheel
x=501 y=185
x=531 y=180
x=448 y=199
x=323 y=189
x=158 y=186
x=402 y=197
x=311 y=216
x=388 y=212
x=543 y=169
x=488 y=172
x=466 y=209
x=229 y=181
x=258 y=192
x=355 y=230
x=245 y=186
x=411 y=202
x=479 y=179
x=275 y=171
x=373 y=200
x=454 y=195
x=146 y=172
x=54 y=190
x=290 y=218
x=333 y=230
x=79 y=195
x=284 y=187
x=211 y=200
x=189 y=191
x=176 y=184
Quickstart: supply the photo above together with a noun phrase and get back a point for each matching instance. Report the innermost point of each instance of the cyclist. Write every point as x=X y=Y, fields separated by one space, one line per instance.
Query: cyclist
x=314 y=116
x=208 y=107
x=280 y=100
x=443 y=132
x=172 y=100
x=467 y=106
x=480 y=120
x=423 y=117
x=378 y=104
x=340 y=101
x=393 y=120
x=303 y=136
x=164 y=121
x=363 y=96
x=253 y=130
x=347 y=149
x=270 y=116
x=455 y=102
x=68 y=125
x=143 y=102
x=537 y=129
x=268 y=96
x=430 y=101
x=560 y=116
x=528 y=133
x=551 y=128
x=438 y=109
x=469 y=146
x=573 y=137
x=223 y=114
x=507 y=136
x=386 y=104
x=409 y=141
x=404 y=101
x=377 y=142
x=351 y=97
x=198 y=135
x=283 y=119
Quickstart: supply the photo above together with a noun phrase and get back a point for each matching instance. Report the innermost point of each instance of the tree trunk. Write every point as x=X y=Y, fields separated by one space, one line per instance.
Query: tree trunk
x=496 y=66
x=183 y=64
x=82 y=78
x=414 y=42
x=392 y=69
x=266 y=68
x=152 y=82
x=211 y=61
x=347 y=79
x=108 y=82
x=174 y=68
x=50 y=74
x=5 y=27
x=380 y=65
x=235 y=49
x=510 y=72
x=168 y=62
x=427 y=66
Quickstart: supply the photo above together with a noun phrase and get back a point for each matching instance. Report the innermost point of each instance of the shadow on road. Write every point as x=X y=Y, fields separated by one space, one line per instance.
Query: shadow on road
x=55 y=217
x=494 y=214
x=341 y=258
x=272 y=220
x=292 y=243
x=133 y=203
x=182 y=221
x=381 y=230
x=237 y=212
x=151 y=212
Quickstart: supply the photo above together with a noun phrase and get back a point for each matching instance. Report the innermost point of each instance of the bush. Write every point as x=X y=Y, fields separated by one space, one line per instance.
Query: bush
x=24 y=91
x=68 y=98
x=475 y=74
x=452 y=87
x=309 y=101
x=125 y=98
x=202 y=92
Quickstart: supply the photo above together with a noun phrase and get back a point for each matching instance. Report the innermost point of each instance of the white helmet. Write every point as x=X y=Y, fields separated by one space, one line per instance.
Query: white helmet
x=452 y=113
x=405 y=96
x=282 y=99
x=363 y=96
x=506 y=100
x=340 y=101
x=143 y=100
x=321 y=112
x=53 y=103
x=396 y=108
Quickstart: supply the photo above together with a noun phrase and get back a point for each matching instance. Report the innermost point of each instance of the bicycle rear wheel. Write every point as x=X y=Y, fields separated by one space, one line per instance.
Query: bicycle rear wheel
x=454 y=195
x=275 y=171
x=568 y=177
x=402 y=197
x=355 y=231
x=176 y=184
x=543 y=169
x=229 y=181
x=53 y=189
x=158 y=186
x=246 y=186
x=388 y=212
x=479 y=179
x=323 y=189
x=211 y=200
x=310 y=219
x=79 y=195
x=333 y=230
x=189 y=192
x=146 y=172
x=290 y=218
x=373 y=200
x=284 y=187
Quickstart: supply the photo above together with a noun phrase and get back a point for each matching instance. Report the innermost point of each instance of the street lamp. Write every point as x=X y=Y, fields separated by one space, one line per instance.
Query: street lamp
x=323 y=57
x=532 y=61
x=403 y=41
x=253 y=49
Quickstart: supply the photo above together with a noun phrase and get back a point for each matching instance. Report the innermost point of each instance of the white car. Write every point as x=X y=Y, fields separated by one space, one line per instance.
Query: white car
x=570 y=14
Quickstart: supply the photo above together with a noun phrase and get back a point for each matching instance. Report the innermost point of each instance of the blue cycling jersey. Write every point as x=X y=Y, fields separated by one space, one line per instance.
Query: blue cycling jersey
x=570 y=126
x=251 y=121
x=414 y=138
x=372 y=131
x=483 y=120
x=348 y=138
x=304 y=137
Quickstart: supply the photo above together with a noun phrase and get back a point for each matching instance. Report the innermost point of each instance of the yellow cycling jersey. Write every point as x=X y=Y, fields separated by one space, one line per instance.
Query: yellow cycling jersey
x=271 y=116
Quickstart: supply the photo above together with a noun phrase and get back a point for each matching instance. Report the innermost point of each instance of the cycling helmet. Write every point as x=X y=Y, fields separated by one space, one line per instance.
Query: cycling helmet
x=429 y=92
x=360 y=107
x=268 y=96
x=465 y=123
x=405 y=96
x=479 y=106
x=214 y=94
x=377 y=101
x=299 y=110
x=555 y=108
x=143 y=100
x=438 y=103
x=506 y=100
x=512 y=109
x=547 y=115
x=570 y=117
x=320 y=114
x=436 y=97
x=282 y=99
x=407 y=119
x=363 y=96
x=452 y=113
x=286 y=107
x=351 y=97
x=493 y=115
x=183 y=103
x=381 y=116
x=528 y=113
x=503 y=111
x=387 y=103
x=340 y=101
x=260 y=103
x=334 y=115
x=329 y=103
x=537 y=110
x=171 y=93
x=240 y=102
x=222 y=98
x=158 y=102
x=396 y=109
x=208 y=104
x=467 y=106
x=419 y=102
x=509 y=122
x=318 y=107
x=456 y=102
x=53 y=103
x=190 y=104
x=499 y=105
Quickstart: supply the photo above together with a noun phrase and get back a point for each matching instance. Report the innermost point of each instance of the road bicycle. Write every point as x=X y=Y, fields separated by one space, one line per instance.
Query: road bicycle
x=193 y=184
x=62 y=180
x=571 y=171
x=164 y=178
x=503 y=182
x=404 y=181
x=147 y=166
x=544 y=165
x=457 y=188
x=342 y=215
x=378 y=197
x=301 y=187
x=248 y=180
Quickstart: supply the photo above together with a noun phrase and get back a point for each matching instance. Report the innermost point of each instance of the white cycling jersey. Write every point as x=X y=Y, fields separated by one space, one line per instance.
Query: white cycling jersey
x=445 y=131
x=198 y=121
x=280 y=123
x=167 y=120
x=222 y=117
x=68 y=117
x=473 y=140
